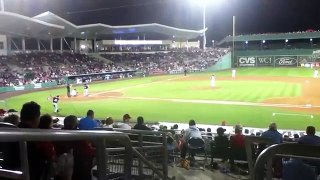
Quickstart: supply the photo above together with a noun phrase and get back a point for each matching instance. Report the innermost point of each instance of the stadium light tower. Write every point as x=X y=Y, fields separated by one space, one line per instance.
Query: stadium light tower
x=203 y=3
x=2 y=5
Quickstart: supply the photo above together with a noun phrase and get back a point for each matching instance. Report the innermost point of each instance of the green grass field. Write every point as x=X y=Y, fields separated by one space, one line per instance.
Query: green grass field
x=183 y=107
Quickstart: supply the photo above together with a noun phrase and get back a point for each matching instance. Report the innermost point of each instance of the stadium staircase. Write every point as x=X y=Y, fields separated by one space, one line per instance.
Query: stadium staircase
x=100 y=58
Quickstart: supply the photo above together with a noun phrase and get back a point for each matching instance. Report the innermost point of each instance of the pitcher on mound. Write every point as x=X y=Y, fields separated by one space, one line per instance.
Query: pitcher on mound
x=213 y=81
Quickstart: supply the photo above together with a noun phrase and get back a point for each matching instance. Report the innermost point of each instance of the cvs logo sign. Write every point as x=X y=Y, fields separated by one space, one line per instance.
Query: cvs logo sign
x=247 y=61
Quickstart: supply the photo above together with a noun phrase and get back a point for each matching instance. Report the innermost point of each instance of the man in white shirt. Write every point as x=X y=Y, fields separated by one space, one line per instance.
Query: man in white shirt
x=125 y=125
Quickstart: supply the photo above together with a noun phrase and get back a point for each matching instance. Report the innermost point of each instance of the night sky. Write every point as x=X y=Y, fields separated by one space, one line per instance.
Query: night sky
x=253 y=16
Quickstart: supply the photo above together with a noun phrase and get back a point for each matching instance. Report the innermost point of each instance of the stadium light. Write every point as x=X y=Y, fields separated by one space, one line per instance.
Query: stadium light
x=83 y=46
x=264 y=41
x=311 y=39
x=246 y=42
x=203 y=3
x=287 y=40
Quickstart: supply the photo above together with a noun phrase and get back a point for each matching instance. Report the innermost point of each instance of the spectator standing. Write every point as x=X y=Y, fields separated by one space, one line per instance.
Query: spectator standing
x=125 y=125
x=140 y=124
x=273 y=134
x=88 y=123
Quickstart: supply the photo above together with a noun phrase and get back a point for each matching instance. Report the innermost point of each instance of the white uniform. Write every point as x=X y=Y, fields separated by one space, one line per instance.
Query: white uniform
x=213 y=81
x=316 y=74
x=73 y=93
x=233 y=73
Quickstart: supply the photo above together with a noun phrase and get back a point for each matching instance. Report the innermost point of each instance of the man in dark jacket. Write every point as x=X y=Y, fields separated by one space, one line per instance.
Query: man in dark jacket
x=140 y=124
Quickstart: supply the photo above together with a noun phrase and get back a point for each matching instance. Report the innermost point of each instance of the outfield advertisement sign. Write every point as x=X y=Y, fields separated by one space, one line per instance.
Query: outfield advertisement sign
x=286 y=61
x=246 y=61
x=265 y=61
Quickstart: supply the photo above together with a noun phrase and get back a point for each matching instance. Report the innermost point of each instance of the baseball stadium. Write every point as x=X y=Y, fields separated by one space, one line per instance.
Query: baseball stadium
x=132 y=101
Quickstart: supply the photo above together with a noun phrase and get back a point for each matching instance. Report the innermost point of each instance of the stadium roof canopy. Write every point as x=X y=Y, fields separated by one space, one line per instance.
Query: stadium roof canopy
x=17 y=25
x=48 y=25
x=275 y=36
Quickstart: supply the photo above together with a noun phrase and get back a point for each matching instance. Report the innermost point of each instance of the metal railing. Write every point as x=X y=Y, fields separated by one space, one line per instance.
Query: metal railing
x=288 y=149
x=100 y=138
x=249 y=142
x=149 y=151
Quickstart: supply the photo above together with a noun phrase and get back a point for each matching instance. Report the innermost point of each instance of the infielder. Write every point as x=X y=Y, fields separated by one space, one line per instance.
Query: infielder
x=233 y=73
x=316 y=73
x=86 y=89
x=213 y=81
x=55 y=101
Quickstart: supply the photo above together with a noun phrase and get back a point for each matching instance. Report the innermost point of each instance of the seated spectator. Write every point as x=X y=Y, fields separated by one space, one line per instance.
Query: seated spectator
x=310 y=138
x=237 y=140
x=175 y=127
x=191 y=132
x=46 y=122
x=237 y=146
x=296 y=169
x=12 y=119
x=273 y=134
x=209 y=134
x=109 y=123
x=140 y=124
x=125 y=125
x=221 y=145
x=30 y=116
x=88 y=123
x=83 y=152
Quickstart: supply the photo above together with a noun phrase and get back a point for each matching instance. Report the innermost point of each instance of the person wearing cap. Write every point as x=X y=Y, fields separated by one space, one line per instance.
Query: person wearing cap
x=310 y=138
x=221 y=144
x=273 y=134
x=237 y=140
x=140 y=124
x=125 y=125
x=55 y=101
x=88 y=123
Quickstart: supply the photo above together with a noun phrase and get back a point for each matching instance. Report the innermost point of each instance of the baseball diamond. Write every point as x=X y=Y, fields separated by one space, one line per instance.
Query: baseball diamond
x=256 y=97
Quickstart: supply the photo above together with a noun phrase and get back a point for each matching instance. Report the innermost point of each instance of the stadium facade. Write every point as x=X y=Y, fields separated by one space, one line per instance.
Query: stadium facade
x=48 y=28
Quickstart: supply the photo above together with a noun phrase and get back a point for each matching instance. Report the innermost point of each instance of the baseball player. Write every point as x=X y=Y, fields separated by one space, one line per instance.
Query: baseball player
x=233 y=73
x=316 y=73
x=68 y=90
x=86 y=89
x=213 y=81
x=55 y=101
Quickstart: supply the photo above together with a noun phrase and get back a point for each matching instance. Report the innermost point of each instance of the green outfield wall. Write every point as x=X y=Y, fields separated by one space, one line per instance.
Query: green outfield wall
x=222 y=64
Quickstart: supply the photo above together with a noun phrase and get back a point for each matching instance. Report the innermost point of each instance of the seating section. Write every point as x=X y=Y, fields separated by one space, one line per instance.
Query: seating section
x=193 y=59
x=40 y=67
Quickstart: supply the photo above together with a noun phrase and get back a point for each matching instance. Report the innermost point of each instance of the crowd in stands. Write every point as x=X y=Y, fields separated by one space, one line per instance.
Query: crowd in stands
x=44 y=156
x=192 y=59
x=41 y=67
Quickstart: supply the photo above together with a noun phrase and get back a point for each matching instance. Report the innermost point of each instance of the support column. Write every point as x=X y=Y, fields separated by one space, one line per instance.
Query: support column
x=75 y=44
x=51 y=45
x=61 y=45
x=187 y=45
x=38 y=43
x=9 y=44
x=23 y=42
x=95 y=45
